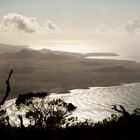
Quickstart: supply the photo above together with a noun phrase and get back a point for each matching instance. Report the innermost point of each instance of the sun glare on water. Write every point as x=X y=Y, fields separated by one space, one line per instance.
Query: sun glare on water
x=77 y=48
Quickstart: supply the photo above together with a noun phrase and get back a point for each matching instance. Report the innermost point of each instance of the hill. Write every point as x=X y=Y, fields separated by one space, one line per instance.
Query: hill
x=11 y=48
x=61 y=71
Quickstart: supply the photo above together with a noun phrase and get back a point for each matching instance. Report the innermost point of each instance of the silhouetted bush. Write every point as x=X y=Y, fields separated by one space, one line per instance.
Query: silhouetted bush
x=52 y=120
x=27 y=97
x=49 y=114
x=3 y=117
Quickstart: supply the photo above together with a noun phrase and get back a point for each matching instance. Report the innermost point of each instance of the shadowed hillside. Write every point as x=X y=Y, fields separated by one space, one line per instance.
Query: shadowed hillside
x=59 y=72
x=11 y=48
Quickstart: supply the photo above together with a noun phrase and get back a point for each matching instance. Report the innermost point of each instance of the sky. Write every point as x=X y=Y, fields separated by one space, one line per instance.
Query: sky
x=37 y=21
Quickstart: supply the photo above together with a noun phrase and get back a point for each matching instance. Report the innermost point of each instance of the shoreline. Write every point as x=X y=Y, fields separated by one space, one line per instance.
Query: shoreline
x=60 y=72
x=80 y=88
x=96 y=86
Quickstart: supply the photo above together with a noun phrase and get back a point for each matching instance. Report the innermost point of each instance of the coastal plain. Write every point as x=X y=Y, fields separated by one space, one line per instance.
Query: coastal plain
x=59 y=72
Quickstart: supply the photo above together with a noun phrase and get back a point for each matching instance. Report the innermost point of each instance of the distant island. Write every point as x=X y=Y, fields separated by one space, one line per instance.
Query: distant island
x=59 y=72
x=101 y=54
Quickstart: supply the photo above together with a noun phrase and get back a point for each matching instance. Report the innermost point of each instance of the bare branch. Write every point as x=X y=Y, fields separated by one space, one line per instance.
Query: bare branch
x=121 y=110
x=8 y=89
x=21 y=121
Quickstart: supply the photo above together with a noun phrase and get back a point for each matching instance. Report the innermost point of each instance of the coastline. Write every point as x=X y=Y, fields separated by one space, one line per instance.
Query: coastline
x=68 y=91
x=60 y=72
x=93 y=86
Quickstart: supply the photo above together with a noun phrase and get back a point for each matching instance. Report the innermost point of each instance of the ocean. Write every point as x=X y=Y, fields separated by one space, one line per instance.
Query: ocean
x=95 y=103
x=127 y=50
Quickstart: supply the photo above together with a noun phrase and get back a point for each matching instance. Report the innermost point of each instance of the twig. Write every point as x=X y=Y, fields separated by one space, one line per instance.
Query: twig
x=8 y=89
x=121 y=110
x=21 y=121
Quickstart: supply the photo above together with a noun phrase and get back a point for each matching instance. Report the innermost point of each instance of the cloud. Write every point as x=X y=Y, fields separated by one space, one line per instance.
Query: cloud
x=50 y=25
x=100 y=29
x=133 y=26
x=20 y=23
x=17 y=22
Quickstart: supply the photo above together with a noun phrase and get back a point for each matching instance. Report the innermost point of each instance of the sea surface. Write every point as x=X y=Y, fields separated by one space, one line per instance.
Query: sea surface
x=127 y=50
x=94 y=103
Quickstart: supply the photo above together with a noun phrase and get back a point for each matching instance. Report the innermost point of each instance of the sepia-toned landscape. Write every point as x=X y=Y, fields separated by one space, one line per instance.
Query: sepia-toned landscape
x=59 y=72
x=69 y=69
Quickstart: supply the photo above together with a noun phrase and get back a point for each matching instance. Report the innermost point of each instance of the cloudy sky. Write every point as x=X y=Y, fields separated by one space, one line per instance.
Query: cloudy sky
x=31 y=21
